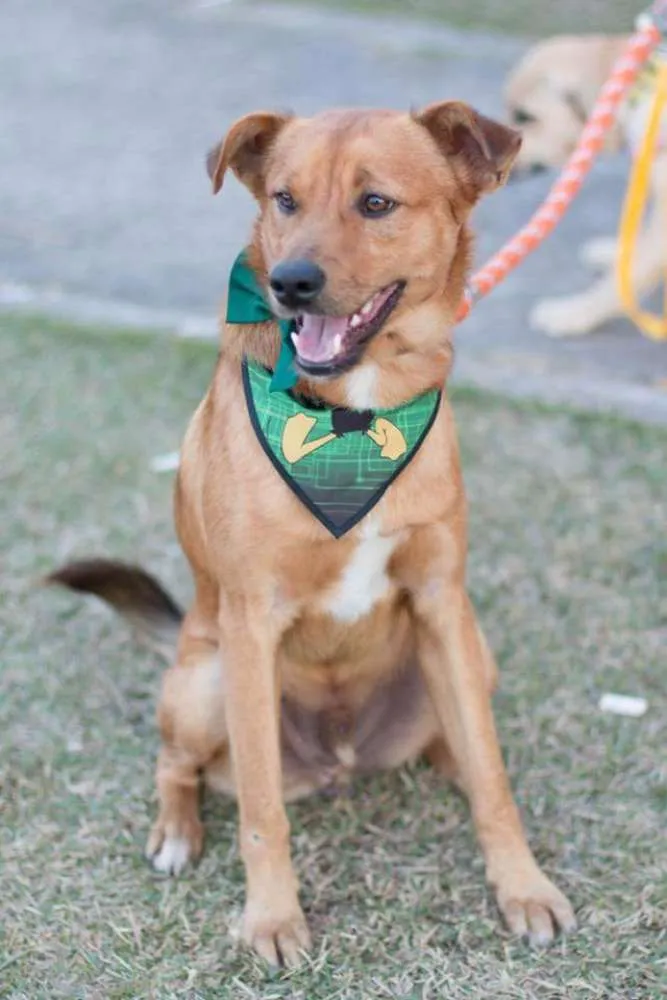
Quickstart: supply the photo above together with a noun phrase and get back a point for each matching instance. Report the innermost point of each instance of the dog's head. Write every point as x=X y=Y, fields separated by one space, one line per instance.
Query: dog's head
x=361 y=227
x=551 y=93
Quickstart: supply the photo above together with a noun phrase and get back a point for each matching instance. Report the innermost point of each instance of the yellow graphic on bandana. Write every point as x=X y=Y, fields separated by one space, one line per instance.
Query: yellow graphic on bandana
x=388 y=438
x=295 y=432
x=383 y=433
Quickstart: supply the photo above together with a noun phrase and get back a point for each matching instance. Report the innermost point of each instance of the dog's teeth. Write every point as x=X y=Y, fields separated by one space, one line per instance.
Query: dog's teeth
x=295 y=338
x=338 y=342
x=365 y=309
x=355 y=320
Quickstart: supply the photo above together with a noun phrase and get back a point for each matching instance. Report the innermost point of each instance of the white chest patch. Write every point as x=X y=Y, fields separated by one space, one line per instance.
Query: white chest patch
x=364 y=580
x=360 y=386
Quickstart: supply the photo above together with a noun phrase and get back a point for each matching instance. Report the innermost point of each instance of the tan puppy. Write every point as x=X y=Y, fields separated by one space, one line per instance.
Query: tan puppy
x=549 y=96
x=306 y=658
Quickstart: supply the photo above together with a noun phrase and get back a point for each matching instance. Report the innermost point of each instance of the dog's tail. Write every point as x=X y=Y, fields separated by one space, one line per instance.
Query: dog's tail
x=132 y=592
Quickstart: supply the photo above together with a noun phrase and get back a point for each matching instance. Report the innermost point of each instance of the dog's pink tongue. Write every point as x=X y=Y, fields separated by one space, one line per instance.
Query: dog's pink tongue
x=320 y=337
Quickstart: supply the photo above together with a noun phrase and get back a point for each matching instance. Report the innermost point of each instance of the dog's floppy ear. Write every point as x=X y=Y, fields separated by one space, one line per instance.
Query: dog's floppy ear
x=482 y=151
x=244 y=149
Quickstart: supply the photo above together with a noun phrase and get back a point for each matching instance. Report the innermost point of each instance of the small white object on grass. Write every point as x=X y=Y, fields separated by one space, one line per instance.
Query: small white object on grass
x=165 y=463
x=623 y=704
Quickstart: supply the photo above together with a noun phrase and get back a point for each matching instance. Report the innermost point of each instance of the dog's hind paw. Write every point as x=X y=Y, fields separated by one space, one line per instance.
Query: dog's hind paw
x=170 y=853
x=172 y=857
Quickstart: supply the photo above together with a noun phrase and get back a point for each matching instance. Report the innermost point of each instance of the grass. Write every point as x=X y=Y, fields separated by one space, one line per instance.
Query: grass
x=568 y=570
x=521 y=17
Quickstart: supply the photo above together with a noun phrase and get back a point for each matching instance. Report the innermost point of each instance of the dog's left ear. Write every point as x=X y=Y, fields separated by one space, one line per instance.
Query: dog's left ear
x=481 y=151
x=244 y=149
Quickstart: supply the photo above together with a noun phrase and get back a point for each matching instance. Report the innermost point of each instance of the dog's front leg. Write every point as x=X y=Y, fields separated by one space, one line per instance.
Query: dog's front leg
x=273 y=923
x=454 y=663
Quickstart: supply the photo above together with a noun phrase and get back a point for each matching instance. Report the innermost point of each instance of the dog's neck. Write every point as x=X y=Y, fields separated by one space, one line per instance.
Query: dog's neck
x=393 y=369
x=388 y=376
x=381 y=380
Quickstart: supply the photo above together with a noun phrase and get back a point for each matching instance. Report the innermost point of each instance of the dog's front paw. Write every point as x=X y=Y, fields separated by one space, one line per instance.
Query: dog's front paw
x=280 y=936
x=599 y=253
x=566 y=317
x=172 y=847
x=533 y=907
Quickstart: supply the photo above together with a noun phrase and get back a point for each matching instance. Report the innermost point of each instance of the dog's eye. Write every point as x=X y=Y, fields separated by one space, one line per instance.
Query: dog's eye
x=374 y=205
x=285 y=202
x=522 y=117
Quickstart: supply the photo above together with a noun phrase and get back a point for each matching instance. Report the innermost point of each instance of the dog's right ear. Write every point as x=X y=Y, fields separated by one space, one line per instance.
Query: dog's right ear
x=244 y=149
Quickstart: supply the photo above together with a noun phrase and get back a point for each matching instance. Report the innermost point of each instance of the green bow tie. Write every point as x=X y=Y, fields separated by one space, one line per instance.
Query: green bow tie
x=246 y=304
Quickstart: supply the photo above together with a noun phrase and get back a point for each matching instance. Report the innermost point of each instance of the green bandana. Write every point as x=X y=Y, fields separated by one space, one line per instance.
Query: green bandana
x=246 y=304
x=338 y=462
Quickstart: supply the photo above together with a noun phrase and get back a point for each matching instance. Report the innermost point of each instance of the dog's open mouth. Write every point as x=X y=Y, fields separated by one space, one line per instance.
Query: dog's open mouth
x=328 y=345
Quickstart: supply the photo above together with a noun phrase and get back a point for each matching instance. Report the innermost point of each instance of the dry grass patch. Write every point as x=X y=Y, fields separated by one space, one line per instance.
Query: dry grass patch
x=568 y=571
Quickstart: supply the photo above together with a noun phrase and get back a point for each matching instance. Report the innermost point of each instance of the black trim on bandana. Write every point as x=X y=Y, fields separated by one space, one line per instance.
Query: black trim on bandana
x=337 y=530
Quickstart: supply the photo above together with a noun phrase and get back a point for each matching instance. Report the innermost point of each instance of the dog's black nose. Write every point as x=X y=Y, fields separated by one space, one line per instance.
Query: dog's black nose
x=296 y=282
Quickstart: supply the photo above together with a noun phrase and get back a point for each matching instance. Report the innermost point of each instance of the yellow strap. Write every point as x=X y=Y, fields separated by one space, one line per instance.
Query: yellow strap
x=633 y=212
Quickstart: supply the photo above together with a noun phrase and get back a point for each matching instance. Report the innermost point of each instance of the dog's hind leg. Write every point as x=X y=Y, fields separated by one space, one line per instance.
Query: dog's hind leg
x=191 y=718
x=191 y=711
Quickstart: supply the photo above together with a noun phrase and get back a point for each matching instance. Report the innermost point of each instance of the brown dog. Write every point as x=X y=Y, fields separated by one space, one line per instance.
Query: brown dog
x=306 y=658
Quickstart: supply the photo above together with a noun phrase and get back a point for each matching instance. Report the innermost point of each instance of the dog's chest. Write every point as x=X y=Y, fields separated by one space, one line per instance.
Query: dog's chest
x=364 y=579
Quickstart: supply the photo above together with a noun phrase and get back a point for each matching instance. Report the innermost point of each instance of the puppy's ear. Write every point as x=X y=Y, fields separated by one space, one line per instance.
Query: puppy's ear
x=244 y=149
x=481 y=151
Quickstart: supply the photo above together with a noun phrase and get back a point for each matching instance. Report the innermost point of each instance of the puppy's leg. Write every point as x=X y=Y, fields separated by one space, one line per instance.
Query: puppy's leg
x=579 y=314
x=456 y=669
x=191 y=718
x=599 y=253
x=576 y=315
x=273 y=923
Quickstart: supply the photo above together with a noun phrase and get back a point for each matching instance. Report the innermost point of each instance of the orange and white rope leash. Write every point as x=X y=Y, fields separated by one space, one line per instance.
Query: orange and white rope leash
x=563 y=192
